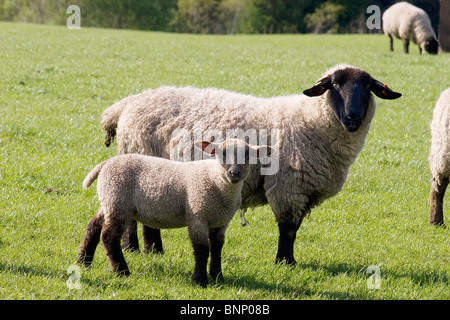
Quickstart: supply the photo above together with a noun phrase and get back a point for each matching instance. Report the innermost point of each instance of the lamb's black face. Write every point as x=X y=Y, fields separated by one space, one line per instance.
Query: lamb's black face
x=350 y=90
x=432 y=46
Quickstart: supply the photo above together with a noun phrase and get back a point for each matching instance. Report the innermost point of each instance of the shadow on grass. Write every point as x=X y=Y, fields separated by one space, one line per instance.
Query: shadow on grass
x=103 y=284
x=334 y=269
x=251 y=281
x=360 y=271
x=159 y=269
x=30 y=270
x=41 y=271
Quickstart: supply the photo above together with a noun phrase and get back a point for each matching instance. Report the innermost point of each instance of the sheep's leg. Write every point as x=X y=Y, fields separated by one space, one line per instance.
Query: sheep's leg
x=405 y=45
x=130 y=239
x=199 y=237
x=216 y=240
x=391 y=39
x=437 y=192
x=91 y=239
x=152 y=240
x=110 y=235
x=288 y=233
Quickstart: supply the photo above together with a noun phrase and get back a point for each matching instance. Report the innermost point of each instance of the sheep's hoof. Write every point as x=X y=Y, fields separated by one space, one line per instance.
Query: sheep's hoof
x=85 y=261
x=85 y=264
x=201 y=280
x=153 y=249
x=218 y=277
x=286 y=261
x=130 y=248
x=123 y=273
x=439 y=223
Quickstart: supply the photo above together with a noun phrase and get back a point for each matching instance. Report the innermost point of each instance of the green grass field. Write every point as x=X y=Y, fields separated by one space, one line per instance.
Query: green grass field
x=56 y=82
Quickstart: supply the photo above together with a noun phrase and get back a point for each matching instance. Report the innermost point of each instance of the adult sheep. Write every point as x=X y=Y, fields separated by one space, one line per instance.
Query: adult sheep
x=439 y=157
x=319 y=136
x=409 y=23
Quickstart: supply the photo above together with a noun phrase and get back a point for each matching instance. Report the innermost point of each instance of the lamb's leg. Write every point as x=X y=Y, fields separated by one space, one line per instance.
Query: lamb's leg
x=152 y=240
x=288 y=233
x=216 y=240
x=199 y=237
x=405 y=46
x=130 y=240
x=110 y=235
x=391 y=40
x=437 y=192
x=91 y=239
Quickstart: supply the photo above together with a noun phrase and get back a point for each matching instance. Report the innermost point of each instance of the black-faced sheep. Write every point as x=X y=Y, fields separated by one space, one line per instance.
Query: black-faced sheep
x=319 y=136
x=409 y=23
x=439 y=157
x=202 y=195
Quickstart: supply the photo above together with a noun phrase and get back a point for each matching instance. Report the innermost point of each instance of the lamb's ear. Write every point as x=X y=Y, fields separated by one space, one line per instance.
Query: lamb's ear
x=206 y=146
x=319 y=87
x=382 y=91
x=263 y=151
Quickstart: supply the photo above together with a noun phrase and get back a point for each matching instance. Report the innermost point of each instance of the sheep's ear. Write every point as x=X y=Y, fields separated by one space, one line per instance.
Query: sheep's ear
x=382 y=91
x=319 y=87
x=206 y=146
x=264 y=151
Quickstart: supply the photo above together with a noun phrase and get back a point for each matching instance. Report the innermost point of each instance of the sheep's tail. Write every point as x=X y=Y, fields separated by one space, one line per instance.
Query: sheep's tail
x=93 y=174
x=109 y=119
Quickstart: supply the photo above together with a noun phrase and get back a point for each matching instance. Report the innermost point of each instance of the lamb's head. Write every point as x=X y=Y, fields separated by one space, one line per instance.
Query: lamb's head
x=235 y=156
x=350 y=90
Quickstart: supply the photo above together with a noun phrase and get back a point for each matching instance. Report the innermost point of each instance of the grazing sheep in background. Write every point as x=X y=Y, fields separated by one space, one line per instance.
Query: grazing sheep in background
x=319 y=136
x=409 y=23
x=439 y=157
x=202 y=195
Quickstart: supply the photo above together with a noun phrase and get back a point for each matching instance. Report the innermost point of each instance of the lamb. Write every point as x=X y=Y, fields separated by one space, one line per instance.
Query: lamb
x=202 y=195
x=439 y=158
x=318 y=134
x=409 y=23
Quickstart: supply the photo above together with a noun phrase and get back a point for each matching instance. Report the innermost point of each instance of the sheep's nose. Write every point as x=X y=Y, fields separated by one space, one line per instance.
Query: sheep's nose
x=234 y=175
x=235 y=172
x=352 y=119
x=352 y=123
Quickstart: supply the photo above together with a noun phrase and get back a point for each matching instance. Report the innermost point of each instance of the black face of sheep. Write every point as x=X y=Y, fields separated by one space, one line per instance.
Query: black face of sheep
x=350 y=90
x=432 y=46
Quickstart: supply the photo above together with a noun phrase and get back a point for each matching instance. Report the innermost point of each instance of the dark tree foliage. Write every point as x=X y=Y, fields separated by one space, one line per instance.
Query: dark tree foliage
x=212 y=16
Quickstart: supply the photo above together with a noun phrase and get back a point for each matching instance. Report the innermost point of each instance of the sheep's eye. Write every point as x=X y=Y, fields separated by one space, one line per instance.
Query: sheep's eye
x=335 y=84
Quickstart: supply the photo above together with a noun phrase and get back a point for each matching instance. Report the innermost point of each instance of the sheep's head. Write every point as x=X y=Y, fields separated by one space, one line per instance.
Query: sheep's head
x=431 y=46
x=350 y=89
x=235 y=156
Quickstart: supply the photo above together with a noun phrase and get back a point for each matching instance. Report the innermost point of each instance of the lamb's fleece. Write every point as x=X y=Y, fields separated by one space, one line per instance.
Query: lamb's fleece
x=408 y=22
x=440 y=132
x=128 y=181
x=315 y=152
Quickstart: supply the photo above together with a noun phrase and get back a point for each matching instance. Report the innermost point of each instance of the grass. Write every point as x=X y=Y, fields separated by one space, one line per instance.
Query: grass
x=54 y=84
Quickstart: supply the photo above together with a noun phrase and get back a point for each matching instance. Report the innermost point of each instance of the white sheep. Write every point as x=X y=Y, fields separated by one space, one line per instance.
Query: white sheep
x=319 y=136
x=439 y=157
x=409 y=23
x=202 y=195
